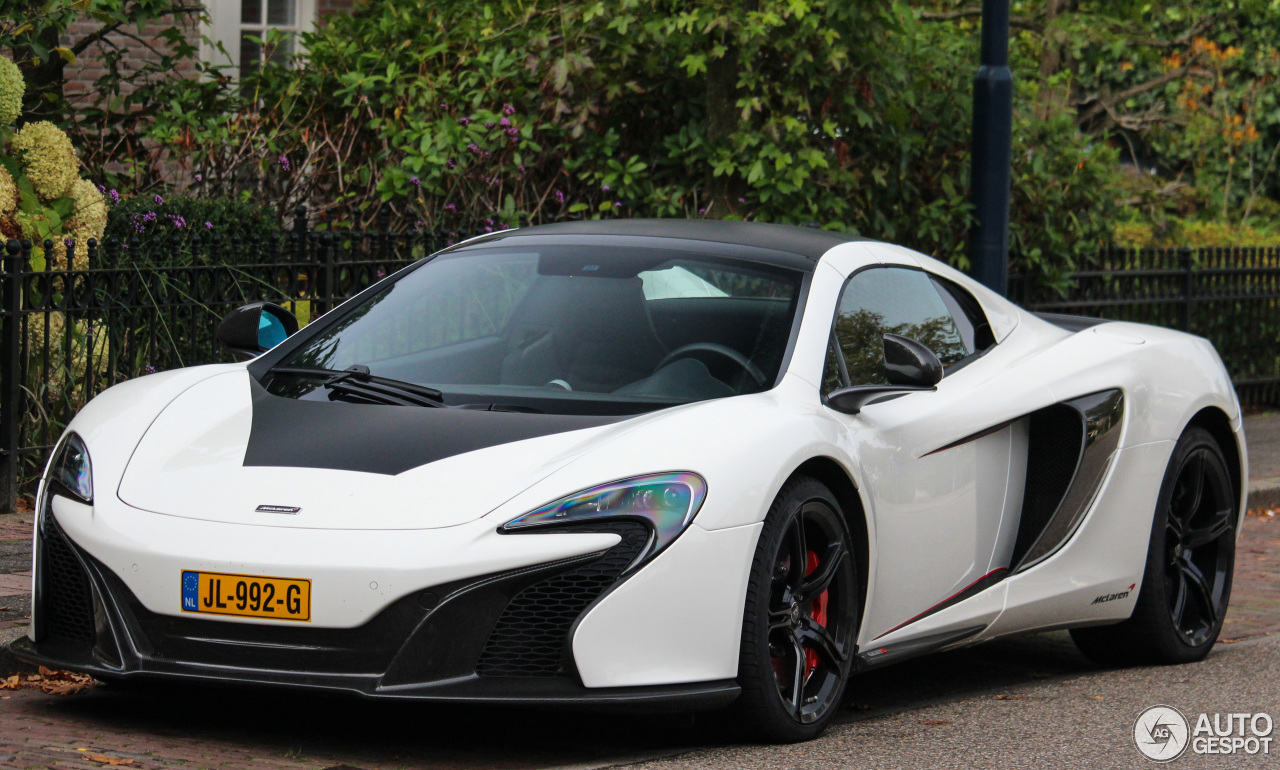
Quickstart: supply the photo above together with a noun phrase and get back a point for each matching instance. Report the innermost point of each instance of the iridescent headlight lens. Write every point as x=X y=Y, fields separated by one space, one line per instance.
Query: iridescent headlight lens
x=71 y=468
x=667 y=502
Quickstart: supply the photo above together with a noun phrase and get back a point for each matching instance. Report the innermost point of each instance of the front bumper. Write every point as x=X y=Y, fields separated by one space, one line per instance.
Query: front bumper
x=502 y=637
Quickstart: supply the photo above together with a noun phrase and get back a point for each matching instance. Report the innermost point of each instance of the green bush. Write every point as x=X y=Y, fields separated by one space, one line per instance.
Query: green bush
x=852 y=115
x=155 y=219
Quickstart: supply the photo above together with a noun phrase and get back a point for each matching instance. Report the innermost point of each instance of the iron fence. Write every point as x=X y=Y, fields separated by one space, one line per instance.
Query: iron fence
x=1229 y=295
x=137 y=308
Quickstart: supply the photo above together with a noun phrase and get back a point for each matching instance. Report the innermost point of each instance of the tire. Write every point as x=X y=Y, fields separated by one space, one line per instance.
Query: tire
x=1186 y=585
x=800 y=623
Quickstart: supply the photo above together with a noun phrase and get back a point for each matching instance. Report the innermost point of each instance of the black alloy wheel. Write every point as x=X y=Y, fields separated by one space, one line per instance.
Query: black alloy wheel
x=1199 y=547
x=801 y=616
x=1186 y=585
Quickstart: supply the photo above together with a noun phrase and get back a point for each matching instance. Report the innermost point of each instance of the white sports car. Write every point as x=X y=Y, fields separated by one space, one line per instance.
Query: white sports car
x=668 y=463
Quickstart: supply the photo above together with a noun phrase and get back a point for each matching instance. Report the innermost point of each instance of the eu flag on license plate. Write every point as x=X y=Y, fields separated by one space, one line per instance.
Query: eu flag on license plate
x=190 y=590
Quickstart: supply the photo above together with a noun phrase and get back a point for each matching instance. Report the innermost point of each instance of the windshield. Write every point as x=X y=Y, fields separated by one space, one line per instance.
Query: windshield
x=565 y=329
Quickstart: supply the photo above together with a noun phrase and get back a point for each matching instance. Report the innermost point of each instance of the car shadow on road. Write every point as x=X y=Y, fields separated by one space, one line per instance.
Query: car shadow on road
x=367 y=734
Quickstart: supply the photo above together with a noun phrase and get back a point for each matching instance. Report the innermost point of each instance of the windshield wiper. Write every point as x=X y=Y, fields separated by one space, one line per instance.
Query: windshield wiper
x=358 y=382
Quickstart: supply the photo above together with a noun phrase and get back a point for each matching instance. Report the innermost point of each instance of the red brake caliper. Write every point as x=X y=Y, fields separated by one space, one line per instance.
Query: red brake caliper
x=817 y=611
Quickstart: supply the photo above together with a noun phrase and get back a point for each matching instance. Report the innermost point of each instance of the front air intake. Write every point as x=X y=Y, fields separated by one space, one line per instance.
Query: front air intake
x=66 y=603
x=531 y=636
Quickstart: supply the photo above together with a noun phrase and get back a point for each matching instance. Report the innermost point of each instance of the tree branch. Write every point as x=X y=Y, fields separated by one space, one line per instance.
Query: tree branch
x=1095 y=104
x=102 y=32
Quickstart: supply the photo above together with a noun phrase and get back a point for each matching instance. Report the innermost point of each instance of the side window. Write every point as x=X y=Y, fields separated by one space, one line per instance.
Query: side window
x=968 y=315
x=896 y=300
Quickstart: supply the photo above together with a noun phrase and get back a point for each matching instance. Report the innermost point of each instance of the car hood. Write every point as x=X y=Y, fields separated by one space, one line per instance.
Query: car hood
x=226 y=450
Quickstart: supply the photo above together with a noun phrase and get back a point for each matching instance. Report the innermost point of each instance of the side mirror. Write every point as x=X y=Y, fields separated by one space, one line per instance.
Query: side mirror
x=909 y=362
x=255 y=328
x=911 y=368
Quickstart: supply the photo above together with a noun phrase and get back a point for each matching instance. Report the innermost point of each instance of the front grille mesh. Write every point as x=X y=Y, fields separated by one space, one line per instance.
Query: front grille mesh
x=67 y=610
x=531 y=636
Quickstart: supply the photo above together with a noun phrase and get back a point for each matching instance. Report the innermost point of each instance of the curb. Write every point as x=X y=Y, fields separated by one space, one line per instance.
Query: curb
x=1264 y=493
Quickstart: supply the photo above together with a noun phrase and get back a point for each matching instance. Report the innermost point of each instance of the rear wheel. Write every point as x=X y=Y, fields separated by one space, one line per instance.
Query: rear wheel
x=801 y=617
x=1190 y=562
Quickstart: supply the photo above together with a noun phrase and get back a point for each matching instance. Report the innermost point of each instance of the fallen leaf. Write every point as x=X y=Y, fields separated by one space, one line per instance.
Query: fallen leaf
x=12 y=683
x=1011 y=697
x=1098 y=697
x=935 y=722
x=5 y=609
x=106 y=760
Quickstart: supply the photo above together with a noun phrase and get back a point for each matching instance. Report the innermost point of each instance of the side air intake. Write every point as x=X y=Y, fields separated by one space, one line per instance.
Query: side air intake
x=1070 y=448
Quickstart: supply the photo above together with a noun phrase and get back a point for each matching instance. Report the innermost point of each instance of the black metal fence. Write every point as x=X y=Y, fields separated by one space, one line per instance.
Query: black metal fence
x=1229 y=295
x=138 y=308
x=142 y=307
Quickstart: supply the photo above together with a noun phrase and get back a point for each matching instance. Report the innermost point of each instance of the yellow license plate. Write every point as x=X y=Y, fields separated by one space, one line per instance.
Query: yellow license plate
x=252 y=596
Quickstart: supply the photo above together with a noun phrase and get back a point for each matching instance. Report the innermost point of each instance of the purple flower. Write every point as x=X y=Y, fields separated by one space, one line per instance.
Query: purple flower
x=380 y=274
x=69 y=242
x=415 y=181
x=159 y=199
x=150 y=216
x=284 y=162
x=488 y=221
x=504 y=122
x=444 y=106
x=419 y=224
x=464 y=121
x=520 y=169
x=450 y=207
x=702 y=211
x=742 y=200
x=474 y=149
x=102 y=189
x=617 y=205
x=450 y=164
x=149 y=369
x=559 y=197
x=512 y=132
x=488 y=124
x=488 y=229
x=115 y=197
x=507 y=109
x=604 y=187
x=208 y=225
x=178 y=222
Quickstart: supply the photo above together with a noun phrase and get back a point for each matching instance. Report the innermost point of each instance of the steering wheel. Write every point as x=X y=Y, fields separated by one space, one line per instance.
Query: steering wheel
x=686 y=351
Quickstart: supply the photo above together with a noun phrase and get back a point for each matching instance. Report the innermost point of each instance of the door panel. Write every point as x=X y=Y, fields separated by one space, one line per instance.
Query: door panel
x=942 y=472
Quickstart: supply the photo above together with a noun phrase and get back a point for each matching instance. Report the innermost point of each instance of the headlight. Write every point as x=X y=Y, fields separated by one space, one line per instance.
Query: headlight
x=667 y=502
x=71 y=468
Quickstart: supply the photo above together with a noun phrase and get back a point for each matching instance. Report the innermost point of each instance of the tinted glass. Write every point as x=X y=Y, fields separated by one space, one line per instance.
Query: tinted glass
x=896 y=300
x=638 y=327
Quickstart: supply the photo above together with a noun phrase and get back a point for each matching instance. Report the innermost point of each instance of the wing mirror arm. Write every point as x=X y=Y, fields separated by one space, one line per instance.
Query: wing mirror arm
x=253 y=329
x=910 y=367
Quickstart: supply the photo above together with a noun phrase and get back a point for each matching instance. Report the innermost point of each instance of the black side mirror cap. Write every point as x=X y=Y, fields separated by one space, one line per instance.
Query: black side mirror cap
x=910 y=363
x=910 y=368
x=253 y=329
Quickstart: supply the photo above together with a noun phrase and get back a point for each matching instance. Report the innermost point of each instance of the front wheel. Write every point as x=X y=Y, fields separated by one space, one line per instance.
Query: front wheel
x=801 y=617
x=1190 y=562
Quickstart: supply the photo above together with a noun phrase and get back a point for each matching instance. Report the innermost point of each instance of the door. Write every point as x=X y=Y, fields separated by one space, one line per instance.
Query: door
x=942 y=471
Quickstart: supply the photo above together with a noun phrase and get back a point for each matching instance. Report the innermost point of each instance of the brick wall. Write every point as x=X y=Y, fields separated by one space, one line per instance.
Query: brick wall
x=89 y=65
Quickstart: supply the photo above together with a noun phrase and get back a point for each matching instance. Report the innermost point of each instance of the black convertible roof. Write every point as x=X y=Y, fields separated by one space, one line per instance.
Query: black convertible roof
x=807 y=242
